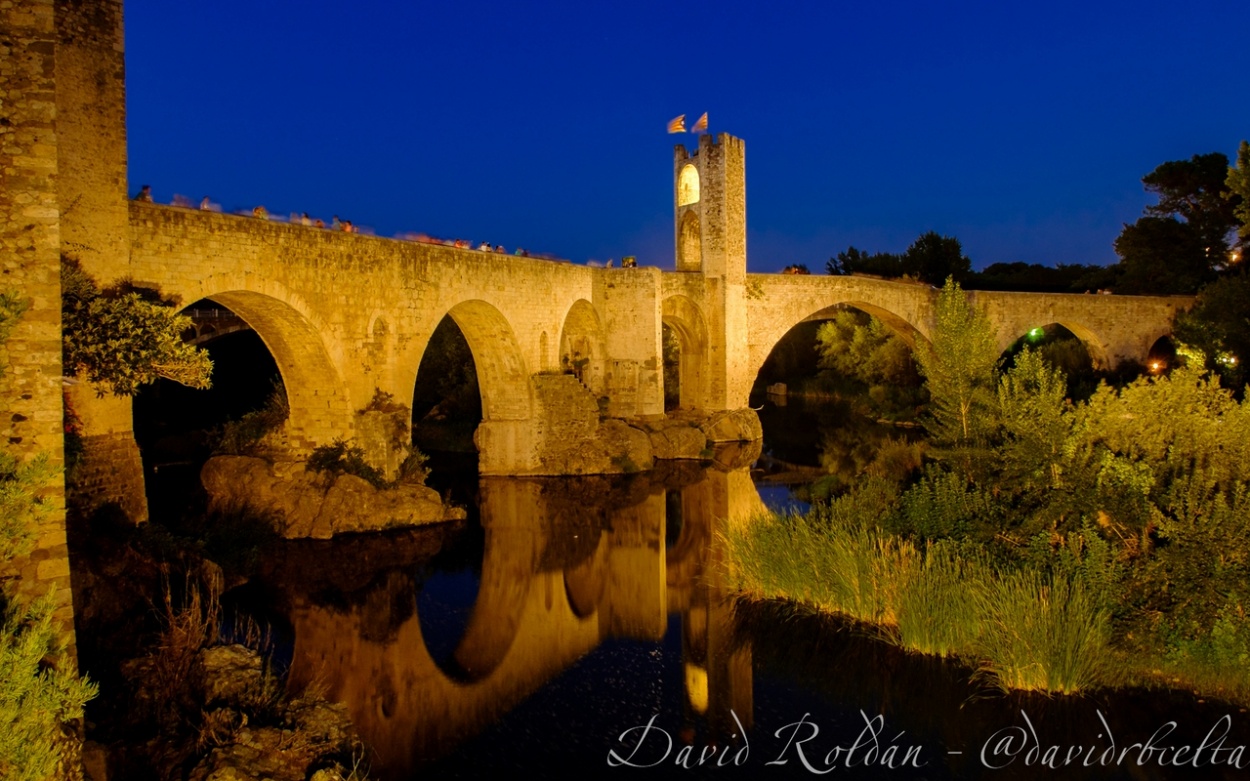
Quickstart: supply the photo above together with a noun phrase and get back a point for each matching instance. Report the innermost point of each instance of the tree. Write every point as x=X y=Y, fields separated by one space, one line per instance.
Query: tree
x=1197 y=192
x=1238 y=183
x=39 y=701
x=861 y=347
x=930 y=258
x=960 y=370
x=934 y=258
x=1219 y=326
x=122 y=337
x=856 y=261
x=1162 y=256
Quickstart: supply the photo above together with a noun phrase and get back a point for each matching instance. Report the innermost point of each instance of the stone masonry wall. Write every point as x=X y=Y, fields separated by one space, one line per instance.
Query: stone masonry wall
x=30 y=389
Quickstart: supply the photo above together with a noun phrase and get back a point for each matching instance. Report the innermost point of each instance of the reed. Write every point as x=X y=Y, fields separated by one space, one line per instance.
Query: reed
x=1045 y=633
x=1023 y=630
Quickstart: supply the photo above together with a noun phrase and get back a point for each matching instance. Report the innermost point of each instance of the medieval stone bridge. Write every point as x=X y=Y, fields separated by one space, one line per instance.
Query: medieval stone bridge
x=346 y=315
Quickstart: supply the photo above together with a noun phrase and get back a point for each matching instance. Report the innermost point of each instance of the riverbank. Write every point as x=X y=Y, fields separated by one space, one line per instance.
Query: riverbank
x=1012 y=626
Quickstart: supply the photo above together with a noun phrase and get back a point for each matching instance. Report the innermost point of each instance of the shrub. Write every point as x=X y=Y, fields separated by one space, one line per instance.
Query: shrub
x=342 y=457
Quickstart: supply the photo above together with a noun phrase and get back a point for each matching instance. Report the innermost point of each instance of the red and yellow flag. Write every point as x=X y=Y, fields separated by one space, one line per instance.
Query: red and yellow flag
x=677 y=125
x=701 y=125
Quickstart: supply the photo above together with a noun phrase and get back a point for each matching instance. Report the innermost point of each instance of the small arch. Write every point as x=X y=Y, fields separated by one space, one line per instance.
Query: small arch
x=689 y=243
x=502 y=374
x=688 y=185
x=685 y=319
x=316 y=394
x=1064 y=330
x=582 y=349
x=379 y=329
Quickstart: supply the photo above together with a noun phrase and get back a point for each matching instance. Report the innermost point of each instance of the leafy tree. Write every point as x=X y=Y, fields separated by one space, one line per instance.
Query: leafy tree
x=1196 y=191
x=122 y=337
x=1219 y=326
x=858 y=346
x=39 y=701
x=930 y=258
x=1036 y=278
x=796 y=268
x=856 y=261
x=1238 y=183
x=959 y=369
x=934 y=258
x=1161 y=256
x=1182 y=241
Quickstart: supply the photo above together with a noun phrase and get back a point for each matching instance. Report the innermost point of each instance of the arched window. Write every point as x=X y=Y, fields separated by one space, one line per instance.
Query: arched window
x=688 y=185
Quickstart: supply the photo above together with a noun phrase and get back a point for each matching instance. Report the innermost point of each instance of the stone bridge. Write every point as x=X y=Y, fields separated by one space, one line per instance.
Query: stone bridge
x=347 y=315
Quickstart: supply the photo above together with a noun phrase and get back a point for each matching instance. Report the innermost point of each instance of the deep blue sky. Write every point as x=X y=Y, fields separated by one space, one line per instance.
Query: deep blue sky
x=1022 y=129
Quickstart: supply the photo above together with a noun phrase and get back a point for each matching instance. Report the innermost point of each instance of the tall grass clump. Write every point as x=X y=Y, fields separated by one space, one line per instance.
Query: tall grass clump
x=853 y=571
x=1044 y=632
x=1035 y=629
x=941 y=610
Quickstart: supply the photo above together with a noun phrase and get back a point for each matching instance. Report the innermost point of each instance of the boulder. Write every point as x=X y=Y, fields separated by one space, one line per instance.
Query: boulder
x=678 y=442
x=303 y=504
x=739 y=425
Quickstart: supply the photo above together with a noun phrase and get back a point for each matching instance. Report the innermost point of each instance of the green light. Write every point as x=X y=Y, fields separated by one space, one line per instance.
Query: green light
x=1036 y=333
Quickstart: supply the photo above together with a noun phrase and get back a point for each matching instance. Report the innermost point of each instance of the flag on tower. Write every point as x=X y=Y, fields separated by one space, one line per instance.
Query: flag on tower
x=701 y=125
x=677 y=125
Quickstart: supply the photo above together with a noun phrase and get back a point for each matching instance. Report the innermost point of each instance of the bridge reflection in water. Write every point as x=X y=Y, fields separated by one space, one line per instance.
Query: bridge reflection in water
x=567 y=563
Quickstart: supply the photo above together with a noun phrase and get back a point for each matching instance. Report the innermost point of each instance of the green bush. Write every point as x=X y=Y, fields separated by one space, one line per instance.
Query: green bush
x=341 y=458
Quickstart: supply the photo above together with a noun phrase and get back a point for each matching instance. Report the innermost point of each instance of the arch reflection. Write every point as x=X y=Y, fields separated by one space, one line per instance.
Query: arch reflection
x=566 y=563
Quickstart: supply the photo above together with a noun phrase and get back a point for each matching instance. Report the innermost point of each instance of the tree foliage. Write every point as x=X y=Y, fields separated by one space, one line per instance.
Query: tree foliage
x=122 y=337
x=1219 y=327
x=931 y=258
x=1196 y=191
x=959 y=370
x=1181 y=242
x=1162 y=256
x=861 y=347
x=38 y=700
x=1238 y=183
x=878 y=363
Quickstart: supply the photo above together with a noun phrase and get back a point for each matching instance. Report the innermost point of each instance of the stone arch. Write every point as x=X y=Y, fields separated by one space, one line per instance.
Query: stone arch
x=684 y=317
x=1093 y=344
x=582 y=345
x=688 y=185
x=502 y=375
x=898 y=325
x=318 y=398
x=689 y=243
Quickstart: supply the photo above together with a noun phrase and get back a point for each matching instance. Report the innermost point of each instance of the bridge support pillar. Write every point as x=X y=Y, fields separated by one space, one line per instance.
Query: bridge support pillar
x=634 y=375
x=505 y=447
x=109 y=470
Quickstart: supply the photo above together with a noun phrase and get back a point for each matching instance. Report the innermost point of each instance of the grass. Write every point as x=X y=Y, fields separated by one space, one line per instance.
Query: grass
x=1020 y=630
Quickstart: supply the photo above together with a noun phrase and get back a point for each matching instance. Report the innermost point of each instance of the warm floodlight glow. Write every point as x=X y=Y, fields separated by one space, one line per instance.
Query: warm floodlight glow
x=688 y=186
x=1156 y=366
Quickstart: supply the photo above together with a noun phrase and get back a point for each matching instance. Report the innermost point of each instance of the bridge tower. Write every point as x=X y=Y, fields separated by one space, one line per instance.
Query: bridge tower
x=710 y=231
x=709 y=208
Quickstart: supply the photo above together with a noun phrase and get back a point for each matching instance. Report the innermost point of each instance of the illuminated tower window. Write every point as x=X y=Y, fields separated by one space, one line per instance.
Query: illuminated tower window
x=688 y=186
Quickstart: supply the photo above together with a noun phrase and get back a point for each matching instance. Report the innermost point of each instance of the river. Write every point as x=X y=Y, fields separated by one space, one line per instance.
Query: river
x=580 y=626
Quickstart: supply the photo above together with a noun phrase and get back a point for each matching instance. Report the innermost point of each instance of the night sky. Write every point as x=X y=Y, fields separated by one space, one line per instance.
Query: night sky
x=1022 y=129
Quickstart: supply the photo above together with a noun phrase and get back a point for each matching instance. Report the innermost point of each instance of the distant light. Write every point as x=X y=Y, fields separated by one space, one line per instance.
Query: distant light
x=1156 y=366
x=1227 y=360
x=1036 y=333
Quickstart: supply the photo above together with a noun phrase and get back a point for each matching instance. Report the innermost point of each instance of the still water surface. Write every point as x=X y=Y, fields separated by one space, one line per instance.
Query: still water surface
x=580 y=627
